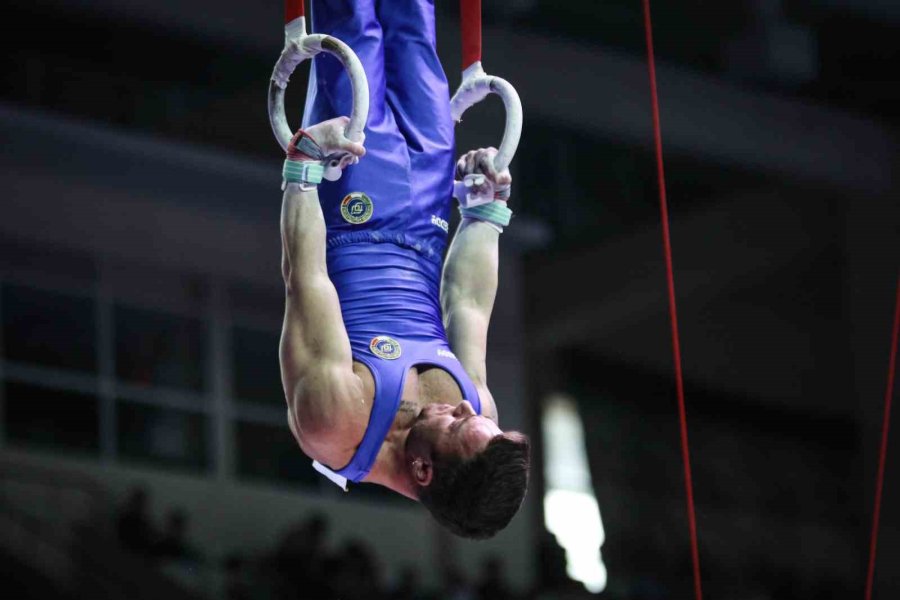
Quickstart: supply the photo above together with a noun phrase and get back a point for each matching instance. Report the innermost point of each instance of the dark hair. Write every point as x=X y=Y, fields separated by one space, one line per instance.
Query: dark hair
x=477 y=497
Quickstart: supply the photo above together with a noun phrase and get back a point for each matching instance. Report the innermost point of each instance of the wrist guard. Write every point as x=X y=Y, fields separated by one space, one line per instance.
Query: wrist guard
x=304 y=164
x=307 y=173
x=495 y=213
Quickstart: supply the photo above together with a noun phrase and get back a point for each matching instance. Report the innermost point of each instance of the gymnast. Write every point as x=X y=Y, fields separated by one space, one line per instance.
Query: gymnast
x=384 y=342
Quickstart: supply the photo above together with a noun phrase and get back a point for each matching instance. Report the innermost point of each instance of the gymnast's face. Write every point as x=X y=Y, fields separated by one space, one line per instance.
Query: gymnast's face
x=444 y=430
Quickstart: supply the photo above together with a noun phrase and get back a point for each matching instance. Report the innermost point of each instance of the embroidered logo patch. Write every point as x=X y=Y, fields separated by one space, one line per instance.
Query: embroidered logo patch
x=385 y=347
x=356 y=208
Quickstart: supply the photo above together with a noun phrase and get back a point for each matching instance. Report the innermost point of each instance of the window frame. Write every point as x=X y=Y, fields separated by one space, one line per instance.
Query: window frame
x=216 y=402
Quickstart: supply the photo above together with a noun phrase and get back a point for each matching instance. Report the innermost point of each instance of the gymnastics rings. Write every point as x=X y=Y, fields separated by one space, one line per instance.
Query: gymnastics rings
x=300 y=46
x=475 y=87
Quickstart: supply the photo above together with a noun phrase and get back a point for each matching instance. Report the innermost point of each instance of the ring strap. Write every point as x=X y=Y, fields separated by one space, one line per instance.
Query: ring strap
x=308 y=146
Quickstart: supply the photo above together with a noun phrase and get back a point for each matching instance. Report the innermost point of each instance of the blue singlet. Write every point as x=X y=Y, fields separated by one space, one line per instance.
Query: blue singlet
x=387 y=216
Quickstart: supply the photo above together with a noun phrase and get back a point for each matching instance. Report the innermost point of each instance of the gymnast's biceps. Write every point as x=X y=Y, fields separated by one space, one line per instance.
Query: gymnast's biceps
x=316 y=361
x=320 y=402
x=313 y=334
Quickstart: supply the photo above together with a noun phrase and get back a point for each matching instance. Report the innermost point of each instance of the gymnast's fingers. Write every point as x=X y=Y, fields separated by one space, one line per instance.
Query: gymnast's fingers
x=461 y=167
x=355 y=148
x=486 y=165
x=485 y=162
x=470 y=162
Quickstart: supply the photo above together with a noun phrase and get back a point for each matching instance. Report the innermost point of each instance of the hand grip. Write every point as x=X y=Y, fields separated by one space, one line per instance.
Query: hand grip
x=300 y=47
x=475 y=87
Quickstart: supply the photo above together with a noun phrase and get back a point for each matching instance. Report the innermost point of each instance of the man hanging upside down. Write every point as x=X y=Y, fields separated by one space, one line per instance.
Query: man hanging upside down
x=382 y=354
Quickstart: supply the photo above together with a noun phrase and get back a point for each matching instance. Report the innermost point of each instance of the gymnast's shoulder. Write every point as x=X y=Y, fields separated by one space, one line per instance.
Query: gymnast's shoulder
x=328 y=413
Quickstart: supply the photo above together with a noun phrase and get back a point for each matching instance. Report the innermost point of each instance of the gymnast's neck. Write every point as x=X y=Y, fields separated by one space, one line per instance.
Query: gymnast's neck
x=391 y=469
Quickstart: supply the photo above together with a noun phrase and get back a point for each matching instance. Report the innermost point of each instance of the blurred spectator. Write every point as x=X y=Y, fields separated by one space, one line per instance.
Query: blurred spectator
x=406 y=586
x=300 y=560
x=492 y=584
x=136 y=533
x=359 y=576
x=237 y=581
x=173 y=544
x=456 y=587
x=552 y=580
x=552 y=563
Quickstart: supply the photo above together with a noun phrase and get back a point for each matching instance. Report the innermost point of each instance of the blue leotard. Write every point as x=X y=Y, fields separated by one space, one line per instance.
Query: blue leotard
x=387 y=216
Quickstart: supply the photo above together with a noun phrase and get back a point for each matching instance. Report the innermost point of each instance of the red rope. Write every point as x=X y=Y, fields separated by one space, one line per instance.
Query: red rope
x=882 y=452
x=673 y=312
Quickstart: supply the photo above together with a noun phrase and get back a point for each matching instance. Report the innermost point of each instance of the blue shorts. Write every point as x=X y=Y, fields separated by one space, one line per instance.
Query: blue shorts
x=400 y=191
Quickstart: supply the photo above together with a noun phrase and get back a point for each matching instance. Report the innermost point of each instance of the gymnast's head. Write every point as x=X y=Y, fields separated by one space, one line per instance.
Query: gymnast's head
x=470 y=475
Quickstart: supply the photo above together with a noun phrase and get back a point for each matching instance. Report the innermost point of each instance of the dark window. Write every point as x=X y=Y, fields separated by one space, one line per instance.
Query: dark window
x=50 y=329
x=161 y=436
x=154 y=348
x=75 y=267
x=267 y=452
x=38 y=416
x=259 y=301
x=257 y=376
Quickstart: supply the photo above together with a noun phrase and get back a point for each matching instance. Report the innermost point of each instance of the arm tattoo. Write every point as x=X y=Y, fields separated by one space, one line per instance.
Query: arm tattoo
x=408 y=407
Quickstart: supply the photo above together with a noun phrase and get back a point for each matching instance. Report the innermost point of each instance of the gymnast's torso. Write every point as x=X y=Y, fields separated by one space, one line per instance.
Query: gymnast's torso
x=387 y=217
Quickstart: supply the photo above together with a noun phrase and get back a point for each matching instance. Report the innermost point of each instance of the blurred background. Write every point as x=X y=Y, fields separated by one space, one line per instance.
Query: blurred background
x=144 y=451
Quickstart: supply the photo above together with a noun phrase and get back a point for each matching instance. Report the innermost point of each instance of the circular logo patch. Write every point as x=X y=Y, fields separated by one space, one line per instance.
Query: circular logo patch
x=385 y=347
x=356 y=208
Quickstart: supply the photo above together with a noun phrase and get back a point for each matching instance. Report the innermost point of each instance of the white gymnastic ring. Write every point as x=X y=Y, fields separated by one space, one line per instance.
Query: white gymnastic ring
x=475 y=87
x=304 y=47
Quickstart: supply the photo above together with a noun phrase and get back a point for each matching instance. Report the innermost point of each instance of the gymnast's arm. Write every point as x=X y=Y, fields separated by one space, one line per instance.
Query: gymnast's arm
x=316 y=362
x=469 y=284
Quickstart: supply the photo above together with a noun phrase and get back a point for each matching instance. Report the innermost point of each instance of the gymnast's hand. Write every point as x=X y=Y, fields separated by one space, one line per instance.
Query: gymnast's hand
x=481 y=162
x=331 y=147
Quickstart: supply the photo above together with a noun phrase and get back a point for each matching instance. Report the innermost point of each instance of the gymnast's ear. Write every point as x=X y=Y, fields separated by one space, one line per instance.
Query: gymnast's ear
x=422 y=471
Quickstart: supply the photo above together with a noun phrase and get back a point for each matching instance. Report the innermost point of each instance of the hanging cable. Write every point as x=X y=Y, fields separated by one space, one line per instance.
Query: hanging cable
x=882 y=451
x=673 y=312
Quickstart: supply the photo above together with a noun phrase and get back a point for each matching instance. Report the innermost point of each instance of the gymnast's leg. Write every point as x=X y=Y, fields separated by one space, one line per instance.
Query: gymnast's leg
x=383 y=176
x=419 y=97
